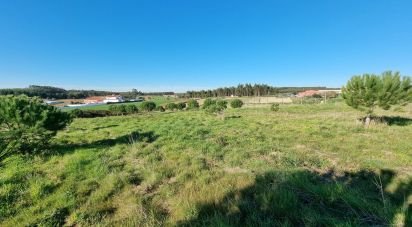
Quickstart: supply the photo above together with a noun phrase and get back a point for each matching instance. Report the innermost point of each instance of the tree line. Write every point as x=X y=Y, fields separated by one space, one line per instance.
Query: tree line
x=248 y=90
x=49 y=92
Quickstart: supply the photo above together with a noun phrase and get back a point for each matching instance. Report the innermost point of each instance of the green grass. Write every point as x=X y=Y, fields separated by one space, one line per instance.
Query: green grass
x=304 y=165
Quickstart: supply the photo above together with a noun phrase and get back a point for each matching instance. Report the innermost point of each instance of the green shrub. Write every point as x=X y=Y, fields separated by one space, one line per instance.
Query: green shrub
x=215 y=109
x=160 y=109
x=131 y=109
x=208 y=102
x=171 y=106
x=236 y=103
x=222 y=103
x=181 y=106
x=192 y=104
x=27 y=124
x=275 y=107
x=148 y=106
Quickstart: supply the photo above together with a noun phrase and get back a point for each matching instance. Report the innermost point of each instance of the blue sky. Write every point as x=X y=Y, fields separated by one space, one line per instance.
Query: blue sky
x=180 y=45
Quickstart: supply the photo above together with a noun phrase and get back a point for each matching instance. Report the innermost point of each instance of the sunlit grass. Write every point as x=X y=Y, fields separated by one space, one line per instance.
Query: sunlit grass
x=303 y=165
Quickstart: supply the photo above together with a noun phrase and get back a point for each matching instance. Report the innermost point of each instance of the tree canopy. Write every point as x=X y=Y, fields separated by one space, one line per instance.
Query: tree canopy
x=368 y=91
x=27 y=124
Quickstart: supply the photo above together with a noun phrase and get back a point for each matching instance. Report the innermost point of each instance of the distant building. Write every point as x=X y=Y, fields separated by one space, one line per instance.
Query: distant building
x=94 y=99
x=113 y=98
x=308 y=93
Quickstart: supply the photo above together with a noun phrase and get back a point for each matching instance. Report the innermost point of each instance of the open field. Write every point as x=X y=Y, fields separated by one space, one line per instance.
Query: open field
x=304 y=165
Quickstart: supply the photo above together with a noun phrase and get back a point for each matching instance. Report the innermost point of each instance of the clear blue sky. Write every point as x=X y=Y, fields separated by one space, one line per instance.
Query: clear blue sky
x=180 y=45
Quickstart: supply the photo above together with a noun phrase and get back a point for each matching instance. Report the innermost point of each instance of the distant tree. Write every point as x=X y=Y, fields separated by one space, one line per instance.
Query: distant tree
x=181 y=106
x=148 y=106
x=370 y=91
x=236 y=103
x=192 y=104
x=27 y=124
x=171 y=106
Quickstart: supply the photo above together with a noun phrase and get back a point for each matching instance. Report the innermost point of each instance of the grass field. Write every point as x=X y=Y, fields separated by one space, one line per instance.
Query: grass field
x=304 y=165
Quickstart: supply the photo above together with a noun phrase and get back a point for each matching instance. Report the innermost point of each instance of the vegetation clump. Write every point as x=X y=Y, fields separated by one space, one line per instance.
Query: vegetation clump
x=171 y=106
x=160 y=109
x=192 y=104
x=148 y=106
x=236 y=103
x=275 y=107
x=181 y=105
x=27 y=124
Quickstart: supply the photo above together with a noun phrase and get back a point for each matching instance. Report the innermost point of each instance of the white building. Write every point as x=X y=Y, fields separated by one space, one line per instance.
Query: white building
x=113 y=98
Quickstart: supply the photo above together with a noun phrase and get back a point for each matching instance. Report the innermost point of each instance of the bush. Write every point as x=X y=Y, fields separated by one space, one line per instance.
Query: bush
x=222 y=103
x=148 y=106
x=171 y=106
x=236 y=103
x=192 y=104
x=78 y=113
x=160 y=109
x=27 y=124
x=275 y=107
x=118 y=109
x=181 y=106
x=208 y=102
x=131 y=109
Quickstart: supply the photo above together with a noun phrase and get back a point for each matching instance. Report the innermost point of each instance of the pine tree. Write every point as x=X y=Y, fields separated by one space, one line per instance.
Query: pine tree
x=368 y=91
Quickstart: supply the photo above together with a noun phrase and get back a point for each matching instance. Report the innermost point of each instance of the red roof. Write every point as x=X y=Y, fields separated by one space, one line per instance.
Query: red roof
x=97 y=98
x=307 y=93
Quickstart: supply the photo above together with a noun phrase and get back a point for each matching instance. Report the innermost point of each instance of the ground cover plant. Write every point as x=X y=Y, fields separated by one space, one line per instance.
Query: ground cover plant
x=302 y=165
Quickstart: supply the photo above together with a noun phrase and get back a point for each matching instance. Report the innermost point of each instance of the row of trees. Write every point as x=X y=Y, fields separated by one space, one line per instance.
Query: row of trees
x=248 y=90
x=48 y=92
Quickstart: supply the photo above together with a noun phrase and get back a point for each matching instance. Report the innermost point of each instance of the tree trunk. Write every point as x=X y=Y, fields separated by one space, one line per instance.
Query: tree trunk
x=367 y=120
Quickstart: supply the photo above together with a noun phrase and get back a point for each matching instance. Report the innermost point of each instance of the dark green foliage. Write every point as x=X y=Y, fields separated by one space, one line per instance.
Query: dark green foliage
x=369 y=91
x=181 y=106
x=236 y=103
x=192 y=104
x=160 y=109
x=118 y=109
x=27 y=124
x=208 y=102
x=131 y=109
x=214 y=109
x=222 y=103
x=274 y=107
x=148 y=106
x=171 y=106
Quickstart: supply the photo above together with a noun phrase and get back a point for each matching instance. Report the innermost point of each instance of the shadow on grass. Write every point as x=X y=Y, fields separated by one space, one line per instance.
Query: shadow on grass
x=305 y=198
x=389 y=120
x=233 y=117
x=134 y=137
x=397 y=120
x=103 y=127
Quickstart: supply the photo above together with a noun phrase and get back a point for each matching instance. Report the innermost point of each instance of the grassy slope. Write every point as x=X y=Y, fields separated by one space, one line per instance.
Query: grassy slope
x=308 y=164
